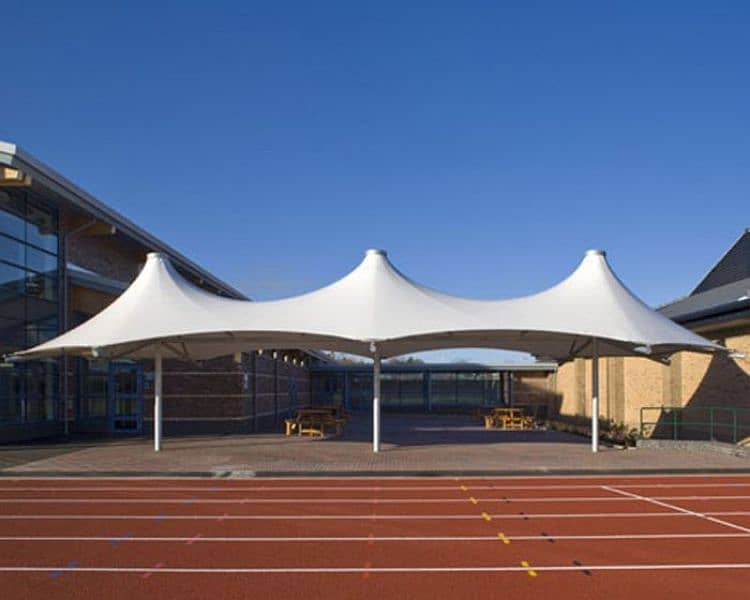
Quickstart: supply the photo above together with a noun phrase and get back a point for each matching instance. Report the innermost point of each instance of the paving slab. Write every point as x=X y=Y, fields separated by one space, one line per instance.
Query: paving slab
x=412 y=445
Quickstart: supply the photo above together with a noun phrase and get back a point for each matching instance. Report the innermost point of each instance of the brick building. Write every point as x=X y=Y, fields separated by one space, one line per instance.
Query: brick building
x=703 y=389
x=64 y=256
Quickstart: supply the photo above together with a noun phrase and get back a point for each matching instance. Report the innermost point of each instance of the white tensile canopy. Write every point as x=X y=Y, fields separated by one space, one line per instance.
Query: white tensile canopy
x=376 y=311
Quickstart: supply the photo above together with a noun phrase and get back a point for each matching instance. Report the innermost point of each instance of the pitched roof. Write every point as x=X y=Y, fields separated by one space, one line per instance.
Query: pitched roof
x=729 y=299
x=732 y=267
x=722 y=294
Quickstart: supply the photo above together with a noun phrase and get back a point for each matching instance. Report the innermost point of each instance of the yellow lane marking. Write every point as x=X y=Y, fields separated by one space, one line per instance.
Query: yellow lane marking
x=501 y=535
x=473 y=500
x=486 y=517
x=528 y=568
x=464 y=488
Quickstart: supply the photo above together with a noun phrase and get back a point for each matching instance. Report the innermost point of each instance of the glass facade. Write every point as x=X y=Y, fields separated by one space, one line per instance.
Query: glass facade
x=29 y=307
x=464 y=389
x=413 y=390
x=402 y=390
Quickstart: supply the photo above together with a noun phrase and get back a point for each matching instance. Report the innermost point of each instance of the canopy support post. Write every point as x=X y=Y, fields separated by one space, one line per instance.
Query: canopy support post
x=595 y=396
x=376 y=402
x=157 y=401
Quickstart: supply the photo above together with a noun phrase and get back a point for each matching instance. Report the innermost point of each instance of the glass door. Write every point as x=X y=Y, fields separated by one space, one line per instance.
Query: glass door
x=125 y=397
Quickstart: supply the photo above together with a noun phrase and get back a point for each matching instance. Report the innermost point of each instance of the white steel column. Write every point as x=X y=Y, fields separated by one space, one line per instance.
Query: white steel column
x=595 y=396
x=157 y=402
x=376 y=403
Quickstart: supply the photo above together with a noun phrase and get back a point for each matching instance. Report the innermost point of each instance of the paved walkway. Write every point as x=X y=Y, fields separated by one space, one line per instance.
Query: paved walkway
x=411 y=445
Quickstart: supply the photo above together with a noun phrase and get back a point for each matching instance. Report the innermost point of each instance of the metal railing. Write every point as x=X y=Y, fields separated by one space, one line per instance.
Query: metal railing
x=713 y=423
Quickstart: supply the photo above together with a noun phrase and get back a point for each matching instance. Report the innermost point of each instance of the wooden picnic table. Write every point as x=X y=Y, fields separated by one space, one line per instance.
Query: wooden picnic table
x=316 y=420
x=508 y=418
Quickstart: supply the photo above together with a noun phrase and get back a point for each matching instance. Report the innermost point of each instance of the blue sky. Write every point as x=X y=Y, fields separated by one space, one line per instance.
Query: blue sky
x=485 y=145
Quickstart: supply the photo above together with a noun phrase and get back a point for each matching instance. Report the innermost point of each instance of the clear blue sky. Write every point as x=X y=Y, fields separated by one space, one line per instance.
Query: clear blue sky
x=485 y=145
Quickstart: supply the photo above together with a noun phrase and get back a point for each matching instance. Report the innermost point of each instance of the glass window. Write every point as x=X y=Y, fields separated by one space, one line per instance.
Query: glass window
x=11 y=409
x=96 y=389
x=411 y=389
x=42 y=262
x=443 y=389
x=12 y=290
x=96 y=406
x=126 y=381
x=28 y=305
x=38 y=286
x=12 y=251
x=389 y=389
x=402 y=389
x=12 y=335
x=41 y=228
x=11 y=215
x=470 y=388
x=41 y=391
x=42 y=331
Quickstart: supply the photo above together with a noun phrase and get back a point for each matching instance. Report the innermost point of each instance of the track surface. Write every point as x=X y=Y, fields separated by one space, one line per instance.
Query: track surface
x=563 y=537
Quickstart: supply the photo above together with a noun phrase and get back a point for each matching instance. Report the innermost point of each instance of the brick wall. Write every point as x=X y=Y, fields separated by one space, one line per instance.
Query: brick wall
x=537 y=390
x=113 y=256
x=223 y=396
x=691 y=381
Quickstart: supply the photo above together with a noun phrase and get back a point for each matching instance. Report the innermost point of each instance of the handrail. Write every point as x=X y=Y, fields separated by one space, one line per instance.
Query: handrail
x=678 y=421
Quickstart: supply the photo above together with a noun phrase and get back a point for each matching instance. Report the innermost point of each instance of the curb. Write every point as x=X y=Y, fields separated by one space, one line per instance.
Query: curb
x=365 y=474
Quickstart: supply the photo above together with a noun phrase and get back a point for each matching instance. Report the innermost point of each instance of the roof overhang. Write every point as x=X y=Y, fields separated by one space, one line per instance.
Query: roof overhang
x=15 y=158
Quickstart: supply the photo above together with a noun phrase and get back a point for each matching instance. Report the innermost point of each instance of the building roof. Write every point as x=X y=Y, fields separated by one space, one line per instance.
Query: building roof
x=732 y=299
x=13 y=156
x=733 y=266
x=722 y=295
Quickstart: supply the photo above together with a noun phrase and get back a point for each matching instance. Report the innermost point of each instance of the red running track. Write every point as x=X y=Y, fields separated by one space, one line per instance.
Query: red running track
x=516 y=537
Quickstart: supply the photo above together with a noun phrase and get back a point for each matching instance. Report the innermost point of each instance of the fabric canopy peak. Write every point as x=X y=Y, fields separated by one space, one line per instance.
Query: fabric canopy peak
x=376 y=307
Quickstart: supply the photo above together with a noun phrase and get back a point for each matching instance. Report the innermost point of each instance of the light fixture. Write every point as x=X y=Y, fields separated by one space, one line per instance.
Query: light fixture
x=275 y=354
x=286 y=358
x=11 y=177
x=260 y=351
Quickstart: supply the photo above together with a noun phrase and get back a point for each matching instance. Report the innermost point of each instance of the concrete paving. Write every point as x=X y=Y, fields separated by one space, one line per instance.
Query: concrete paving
x=412 y=444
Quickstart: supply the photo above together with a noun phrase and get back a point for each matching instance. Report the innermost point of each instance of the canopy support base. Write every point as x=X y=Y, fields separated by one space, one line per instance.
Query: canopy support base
x=595 y=396
x=157 y=402
x=376 y=403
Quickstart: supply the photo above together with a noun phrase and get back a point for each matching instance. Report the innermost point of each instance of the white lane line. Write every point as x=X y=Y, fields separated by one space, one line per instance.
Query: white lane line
x=367 y=517
x=676 y=508
x=455 y=500
x=626 y=497
x=368 y=538
x=301 y=570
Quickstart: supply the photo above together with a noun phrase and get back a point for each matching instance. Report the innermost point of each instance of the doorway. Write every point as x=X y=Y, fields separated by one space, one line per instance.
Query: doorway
x=125 y=398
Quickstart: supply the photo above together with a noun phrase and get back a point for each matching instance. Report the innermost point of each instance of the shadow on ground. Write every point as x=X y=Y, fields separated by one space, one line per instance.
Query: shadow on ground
x=425 y=430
